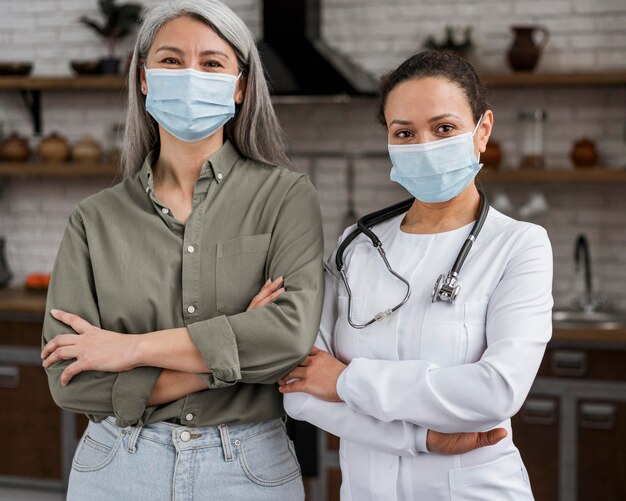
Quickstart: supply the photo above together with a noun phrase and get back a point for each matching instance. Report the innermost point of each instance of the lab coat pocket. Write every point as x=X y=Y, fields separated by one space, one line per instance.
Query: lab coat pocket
x=475 y=320
x=240 y=271
x=444 y=337
x=502 y=479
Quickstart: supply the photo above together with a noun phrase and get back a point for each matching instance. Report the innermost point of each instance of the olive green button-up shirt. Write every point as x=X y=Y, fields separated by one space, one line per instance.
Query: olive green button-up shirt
x=127 y=265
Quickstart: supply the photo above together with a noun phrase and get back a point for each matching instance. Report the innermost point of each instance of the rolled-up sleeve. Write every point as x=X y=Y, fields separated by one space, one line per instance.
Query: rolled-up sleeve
x=262 y=345
x=97 y=394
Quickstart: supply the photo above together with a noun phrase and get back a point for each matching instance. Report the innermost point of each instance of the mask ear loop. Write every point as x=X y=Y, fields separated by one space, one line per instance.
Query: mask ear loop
x=480 y=119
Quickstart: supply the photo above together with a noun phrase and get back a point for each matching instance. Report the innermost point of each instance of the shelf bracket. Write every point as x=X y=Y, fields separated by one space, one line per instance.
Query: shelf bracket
x=32 y=100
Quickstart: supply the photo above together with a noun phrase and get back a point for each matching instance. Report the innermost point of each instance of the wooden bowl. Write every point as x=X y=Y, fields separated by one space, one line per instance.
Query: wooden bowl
x=14 y=69
x=85 y=67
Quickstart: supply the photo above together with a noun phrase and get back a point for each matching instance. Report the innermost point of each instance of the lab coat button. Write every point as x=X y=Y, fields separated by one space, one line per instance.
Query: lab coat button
x=191 y=249
x=185 y=436
x=189 y=417
x=190 y=309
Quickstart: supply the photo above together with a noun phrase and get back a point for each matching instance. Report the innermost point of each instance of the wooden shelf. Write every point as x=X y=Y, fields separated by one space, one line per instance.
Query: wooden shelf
x=118 y=82
x=37 y=169
x=595 y=175
x=91 y=82
x=527 y=79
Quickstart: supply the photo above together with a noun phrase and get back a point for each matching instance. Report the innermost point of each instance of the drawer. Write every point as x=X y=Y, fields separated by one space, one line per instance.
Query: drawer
x=20 y=333
x=599 y=364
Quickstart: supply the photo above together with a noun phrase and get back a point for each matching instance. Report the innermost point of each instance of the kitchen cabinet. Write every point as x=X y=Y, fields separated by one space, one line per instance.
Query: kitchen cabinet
x=38 y=439
x=536 y=432
x=571 y=430
x=601 y=435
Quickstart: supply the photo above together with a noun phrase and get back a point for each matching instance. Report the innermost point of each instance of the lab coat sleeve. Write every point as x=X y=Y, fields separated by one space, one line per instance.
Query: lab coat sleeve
x=477 y=396
x=398 y=438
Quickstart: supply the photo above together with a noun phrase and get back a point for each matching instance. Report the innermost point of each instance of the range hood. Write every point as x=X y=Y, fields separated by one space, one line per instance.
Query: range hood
x=298 y=62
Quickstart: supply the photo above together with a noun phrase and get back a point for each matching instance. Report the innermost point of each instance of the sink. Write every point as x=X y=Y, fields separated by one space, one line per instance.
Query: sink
x=572 y=319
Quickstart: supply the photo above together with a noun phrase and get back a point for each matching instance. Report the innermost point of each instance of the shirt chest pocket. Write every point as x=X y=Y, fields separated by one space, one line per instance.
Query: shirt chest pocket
x=453 y=334
x=240 y=271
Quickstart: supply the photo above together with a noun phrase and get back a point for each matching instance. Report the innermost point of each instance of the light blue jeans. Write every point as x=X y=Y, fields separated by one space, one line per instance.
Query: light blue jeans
x=165 y=461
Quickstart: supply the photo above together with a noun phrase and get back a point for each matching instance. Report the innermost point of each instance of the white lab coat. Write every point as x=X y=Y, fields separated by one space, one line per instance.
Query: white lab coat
x=450 y=368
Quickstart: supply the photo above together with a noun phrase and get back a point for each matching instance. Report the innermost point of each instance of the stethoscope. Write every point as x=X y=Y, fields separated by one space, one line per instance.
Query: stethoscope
x=447 y=286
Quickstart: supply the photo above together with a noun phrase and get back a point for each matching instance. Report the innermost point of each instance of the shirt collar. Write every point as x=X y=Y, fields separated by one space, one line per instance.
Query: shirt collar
x=217 y=167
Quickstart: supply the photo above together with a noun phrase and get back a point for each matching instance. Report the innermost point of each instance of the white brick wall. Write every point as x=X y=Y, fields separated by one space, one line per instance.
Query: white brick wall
x=585 y=35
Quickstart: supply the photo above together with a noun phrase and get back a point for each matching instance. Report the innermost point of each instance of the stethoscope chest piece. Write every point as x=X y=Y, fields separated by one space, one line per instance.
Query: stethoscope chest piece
x=446 y=288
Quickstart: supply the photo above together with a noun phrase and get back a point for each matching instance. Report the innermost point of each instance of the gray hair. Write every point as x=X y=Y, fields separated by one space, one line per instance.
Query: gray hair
x=254 y=130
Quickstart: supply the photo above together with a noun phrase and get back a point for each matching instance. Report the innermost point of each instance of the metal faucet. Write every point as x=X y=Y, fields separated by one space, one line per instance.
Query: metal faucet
x=582 y=247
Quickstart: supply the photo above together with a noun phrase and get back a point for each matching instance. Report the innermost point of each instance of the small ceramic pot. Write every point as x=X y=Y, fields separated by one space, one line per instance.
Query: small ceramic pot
x=15 y=148
x=492 y=156
x=87 y=150
x=584 y=153
x=53 y=149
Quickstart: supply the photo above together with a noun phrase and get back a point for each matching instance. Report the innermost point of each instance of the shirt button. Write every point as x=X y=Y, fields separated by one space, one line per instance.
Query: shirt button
x=220 y=176
x=190 y=309
x=189 y=417
x=185 y=436
x=164 y=210
x=190 y=249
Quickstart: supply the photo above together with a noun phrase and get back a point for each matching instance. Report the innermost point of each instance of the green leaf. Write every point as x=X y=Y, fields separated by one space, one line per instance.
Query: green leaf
x=98 y=28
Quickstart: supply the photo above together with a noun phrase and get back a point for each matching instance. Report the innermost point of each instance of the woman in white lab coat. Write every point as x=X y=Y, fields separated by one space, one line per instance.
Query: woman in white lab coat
x=387 y=389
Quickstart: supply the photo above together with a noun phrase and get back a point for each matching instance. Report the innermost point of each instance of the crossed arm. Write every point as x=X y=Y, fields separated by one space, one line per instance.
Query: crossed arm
x=173 y=350
x=98 y=349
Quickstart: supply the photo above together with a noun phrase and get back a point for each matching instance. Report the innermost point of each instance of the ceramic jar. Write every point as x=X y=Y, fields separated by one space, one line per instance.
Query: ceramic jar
x=15 y=148
x=584 y=153
x=53 y=149
x=524 y=52
x=87 y=150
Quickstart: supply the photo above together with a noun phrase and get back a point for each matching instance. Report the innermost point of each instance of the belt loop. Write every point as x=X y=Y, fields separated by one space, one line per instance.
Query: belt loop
x=133 y=437
x=225 y=437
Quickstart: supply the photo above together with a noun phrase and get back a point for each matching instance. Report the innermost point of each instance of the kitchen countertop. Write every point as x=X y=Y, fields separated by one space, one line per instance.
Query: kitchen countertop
x=19 y=300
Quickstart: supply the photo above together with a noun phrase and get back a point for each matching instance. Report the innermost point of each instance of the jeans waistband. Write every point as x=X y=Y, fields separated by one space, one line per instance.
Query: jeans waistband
x=194 y=437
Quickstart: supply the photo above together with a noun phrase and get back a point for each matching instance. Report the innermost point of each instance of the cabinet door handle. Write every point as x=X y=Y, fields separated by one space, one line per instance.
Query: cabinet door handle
x=569 y=363
x=597 y=416
x=9 y=376
x=539 y=411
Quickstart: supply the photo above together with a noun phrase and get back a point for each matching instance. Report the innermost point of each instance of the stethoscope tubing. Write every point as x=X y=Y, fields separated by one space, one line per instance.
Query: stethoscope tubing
x=364 y=226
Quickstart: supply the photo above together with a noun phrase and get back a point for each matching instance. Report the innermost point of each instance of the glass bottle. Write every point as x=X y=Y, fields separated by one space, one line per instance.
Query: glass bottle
x=533 y=138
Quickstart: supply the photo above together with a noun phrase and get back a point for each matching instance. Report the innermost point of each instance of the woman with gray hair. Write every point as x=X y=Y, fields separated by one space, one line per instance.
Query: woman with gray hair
x=156 y=330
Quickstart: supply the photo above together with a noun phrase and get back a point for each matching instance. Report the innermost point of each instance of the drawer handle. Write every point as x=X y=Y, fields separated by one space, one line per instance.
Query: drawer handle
x=569 y=363
x=9 y=377
x=539 y=411
x=597 y=416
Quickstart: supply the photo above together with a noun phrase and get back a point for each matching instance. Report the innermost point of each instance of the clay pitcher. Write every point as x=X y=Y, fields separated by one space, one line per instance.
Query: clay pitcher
x=524 y=52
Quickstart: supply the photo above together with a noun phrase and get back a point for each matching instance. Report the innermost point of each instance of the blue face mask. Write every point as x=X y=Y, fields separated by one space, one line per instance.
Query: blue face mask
x=436 y=171
x=190 y=104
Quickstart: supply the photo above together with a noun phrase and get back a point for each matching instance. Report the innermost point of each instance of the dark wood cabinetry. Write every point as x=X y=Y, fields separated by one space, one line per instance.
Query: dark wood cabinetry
x=37 y=437
x=571 y=431
x=602 y=444
x=536 y=432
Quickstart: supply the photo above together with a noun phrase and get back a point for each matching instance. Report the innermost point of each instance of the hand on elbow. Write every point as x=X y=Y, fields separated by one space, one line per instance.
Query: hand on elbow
x=317 y=375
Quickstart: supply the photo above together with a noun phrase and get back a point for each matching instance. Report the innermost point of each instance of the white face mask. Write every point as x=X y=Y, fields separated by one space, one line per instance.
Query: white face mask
x=436 y=171
x=190 y=104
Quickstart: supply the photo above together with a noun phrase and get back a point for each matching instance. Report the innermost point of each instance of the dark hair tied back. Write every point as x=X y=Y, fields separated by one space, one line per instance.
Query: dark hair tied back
x=436 y=63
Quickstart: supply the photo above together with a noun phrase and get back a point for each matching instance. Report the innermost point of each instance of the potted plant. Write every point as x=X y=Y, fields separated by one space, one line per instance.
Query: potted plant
x=455 y=39
x=119 y=22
